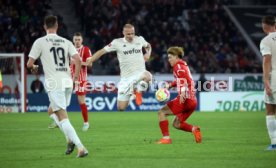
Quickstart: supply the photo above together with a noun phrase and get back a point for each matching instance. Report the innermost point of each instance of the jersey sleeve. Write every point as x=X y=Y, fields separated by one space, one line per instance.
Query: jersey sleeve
x=144 y=42
x=71 y=49
x=111 y=46
x=36 y=50
x=265 y=47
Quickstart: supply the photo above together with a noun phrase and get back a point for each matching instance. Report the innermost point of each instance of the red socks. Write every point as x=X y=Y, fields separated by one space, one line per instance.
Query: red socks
x=164 y=126
x=84 y=112
x=186 y=127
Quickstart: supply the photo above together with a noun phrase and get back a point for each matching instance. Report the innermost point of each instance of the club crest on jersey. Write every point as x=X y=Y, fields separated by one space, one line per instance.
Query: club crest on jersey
x=133 y=51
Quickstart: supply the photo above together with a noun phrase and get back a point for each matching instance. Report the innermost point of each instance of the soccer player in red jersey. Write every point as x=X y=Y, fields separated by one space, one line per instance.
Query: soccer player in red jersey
x=85 y=53
x=184 y=104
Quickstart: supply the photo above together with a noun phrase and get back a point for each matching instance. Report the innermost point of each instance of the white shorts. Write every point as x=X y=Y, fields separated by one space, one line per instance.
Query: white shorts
x=270 y=99
x=125 y=87
x=60 y=99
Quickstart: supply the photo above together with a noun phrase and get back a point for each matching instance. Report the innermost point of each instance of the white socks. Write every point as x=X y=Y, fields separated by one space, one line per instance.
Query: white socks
x=166 y=137
x=271 y=127
x=70 y=132
x=55 y=118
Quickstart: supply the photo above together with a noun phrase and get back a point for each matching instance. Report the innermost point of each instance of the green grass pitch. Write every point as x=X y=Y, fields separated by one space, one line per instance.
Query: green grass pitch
x=126 y=140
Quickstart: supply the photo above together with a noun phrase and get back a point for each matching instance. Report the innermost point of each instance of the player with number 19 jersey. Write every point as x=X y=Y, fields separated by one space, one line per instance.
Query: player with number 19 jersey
x=84 y=53
x=53 y=51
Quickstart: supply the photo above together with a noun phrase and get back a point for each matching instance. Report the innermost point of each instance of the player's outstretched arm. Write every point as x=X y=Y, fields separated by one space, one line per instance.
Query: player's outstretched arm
x=148 y=52
x=86 y=63
x=96 y=56
x=171 y=84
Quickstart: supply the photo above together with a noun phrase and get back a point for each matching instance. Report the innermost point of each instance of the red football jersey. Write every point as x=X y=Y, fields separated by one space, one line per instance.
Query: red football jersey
x=85 y=53
x=183 y=79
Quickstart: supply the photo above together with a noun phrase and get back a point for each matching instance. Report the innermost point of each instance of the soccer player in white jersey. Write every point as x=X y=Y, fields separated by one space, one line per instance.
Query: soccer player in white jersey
x=268 y=50
x=134 y=75
x=85 y=53
x=53 y=51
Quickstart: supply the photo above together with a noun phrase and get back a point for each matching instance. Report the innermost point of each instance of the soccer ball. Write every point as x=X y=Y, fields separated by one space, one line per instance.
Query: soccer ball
x=162 y=95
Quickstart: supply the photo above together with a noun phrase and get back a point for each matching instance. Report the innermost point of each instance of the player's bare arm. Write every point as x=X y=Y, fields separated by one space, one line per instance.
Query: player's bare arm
x=31 y=65
x=266 y=73
x=96 y=56
x=77 y=59
x=82 y=63
x=85 y=64
x=170 y=85
x=148 y=52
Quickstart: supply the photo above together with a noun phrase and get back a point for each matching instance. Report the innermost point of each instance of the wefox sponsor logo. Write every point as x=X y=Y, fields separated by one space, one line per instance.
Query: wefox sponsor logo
x=133 y=51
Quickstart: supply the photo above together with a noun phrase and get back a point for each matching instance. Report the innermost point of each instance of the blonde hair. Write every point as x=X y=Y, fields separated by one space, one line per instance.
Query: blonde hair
x=128 y=25
x=175 y=50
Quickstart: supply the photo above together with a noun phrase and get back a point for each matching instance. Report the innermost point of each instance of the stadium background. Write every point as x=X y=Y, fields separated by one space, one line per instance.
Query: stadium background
x=220 y=38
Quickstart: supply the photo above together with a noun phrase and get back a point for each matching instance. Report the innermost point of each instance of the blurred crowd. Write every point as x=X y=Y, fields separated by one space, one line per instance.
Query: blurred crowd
x=211 y=42
x=21 y=23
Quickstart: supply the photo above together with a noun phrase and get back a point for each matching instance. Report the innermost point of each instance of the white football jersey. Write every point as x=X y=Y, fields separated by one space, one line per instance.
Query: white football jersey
x=130 y=55
x=54 y=52
x=268 y=47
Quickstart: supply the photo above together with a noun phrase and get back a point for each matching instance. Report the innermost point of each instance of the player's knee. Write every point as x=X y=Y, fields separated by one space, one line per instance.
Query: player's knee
x=175 y=124
x=121 y=108
x=81 y=99
x=122 y=105
x=161 y=113
x=50 y=111
x=148 y=76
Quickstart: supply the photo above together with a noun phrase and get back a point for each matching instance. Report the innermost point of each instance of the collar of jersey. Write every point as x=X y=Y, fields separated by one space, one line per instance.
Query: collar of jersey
x=50 y=34
x=124 y=39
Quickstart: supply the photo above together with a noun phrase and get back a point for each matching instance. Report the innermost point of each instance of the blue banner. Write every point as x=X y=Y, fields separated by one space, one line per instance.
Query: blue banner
x=37 y=102
x=96 y=102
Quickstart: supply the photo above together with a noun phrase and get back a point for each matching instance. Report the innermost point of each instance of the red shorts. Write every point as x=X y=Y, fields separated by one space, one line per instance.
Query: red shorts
x=182 y=110
x=82 y=88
